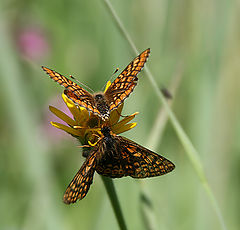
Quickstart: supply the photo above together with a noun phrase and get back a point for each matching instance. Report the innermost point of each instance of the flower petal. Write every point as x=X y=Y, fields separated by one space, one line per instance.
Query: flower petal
x=67 y=129
x=62 y=116
x=80 y=114
x=124 y=121
x=115 y=115
x=107 y=85
x=124 y=128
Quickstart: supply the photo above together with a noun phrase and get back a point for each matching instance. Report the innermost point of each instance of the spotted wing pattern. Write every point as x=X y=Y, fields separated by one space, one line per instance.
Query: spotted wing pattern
x=85 y=101
x=73 y=91
x=81 y=182
x=124 y=84
x=117 y=92
x=132 y=159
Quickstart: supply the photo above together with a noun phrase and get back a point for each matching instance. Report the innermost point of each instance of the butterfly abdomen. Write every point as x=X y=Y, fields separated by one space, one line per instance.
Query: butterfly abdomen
x=102 y=105
x=108 y=141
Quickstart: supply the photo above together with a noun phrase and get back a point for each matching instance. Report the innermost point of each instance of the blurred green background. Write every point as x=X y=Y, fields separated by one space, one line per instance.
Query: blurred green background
x=194 y=44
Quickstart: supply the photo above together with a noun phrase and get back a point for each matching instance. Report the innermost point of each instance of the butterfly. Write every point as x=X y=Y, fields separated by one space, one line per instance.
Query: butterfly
x=116 y=156
x=102 y=104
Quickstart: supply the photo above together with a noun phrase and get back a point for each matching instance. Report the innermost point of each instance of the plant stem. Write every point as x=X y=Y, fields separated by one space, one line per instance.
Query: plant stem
x=108 y=183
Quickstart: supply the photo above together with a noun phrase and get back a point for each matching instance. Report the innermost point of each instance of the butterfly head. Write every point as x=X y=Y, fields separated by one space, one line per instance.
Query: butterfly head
x=99 y=97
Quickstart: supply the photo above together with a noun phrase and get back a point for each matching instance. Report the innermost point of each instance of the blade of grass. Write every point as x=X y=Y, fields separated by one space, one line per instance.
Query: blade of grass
x=36 y=168
x=146 y=207
x=147 y=210
x=190 y=150
x=108 y=183
x=162 y=117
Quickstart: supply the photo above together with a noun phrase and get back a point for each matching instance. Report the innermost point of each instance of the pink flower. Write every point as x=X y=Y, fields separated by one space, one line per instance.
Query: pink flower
x=32 y=43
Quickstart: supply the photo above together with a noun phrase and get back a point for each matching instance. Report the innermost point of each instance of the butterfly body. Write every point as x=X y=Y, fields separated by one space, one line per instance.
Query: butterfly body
x=110 y=149
x=102 y=104
x=115 y=156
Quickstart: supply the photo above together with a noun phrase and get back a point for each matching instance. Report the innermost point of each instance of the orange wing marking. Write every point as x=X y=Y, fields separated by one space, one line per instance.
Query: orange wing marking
x=124 y=84
x=81 y=182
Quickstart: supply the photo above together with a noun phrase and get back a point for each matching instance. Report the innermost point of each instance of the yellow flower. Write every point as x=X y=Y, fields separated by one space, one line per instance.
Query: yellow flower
x=87 y=127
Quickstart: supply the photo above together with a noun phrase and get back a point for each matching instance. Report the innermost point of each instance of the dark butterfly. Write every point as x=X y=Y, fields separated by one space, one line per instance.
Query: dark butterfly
x=115 y=156
x=102 y=104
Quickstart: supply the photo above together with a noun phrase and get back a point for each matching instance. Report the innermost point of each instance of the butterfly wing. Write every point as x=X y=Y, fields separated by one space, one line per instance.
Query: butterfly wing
x=124 y=84
x=132 y=159
x=85 y=101
x=73 y=91
x=81 y=182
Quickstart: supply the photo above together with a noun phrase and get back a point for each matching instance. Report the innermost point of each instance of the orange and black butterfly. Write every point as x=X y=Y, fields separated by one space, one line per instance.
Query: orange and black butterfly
x=102 y=104
x=115 y=156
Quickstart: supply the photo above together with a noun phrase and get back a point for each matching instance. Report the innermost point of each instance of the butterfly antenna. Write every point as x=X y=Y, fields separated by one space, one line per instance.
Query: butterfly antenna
x=116 y=70
x=120 y=114
x=84 y=146
x=85 y=86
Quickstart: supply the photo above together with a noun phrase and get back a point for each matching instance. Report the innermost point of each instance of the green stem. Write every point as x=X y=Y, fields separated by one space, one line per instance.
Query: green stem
x=187 y=144
x=108 y=183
